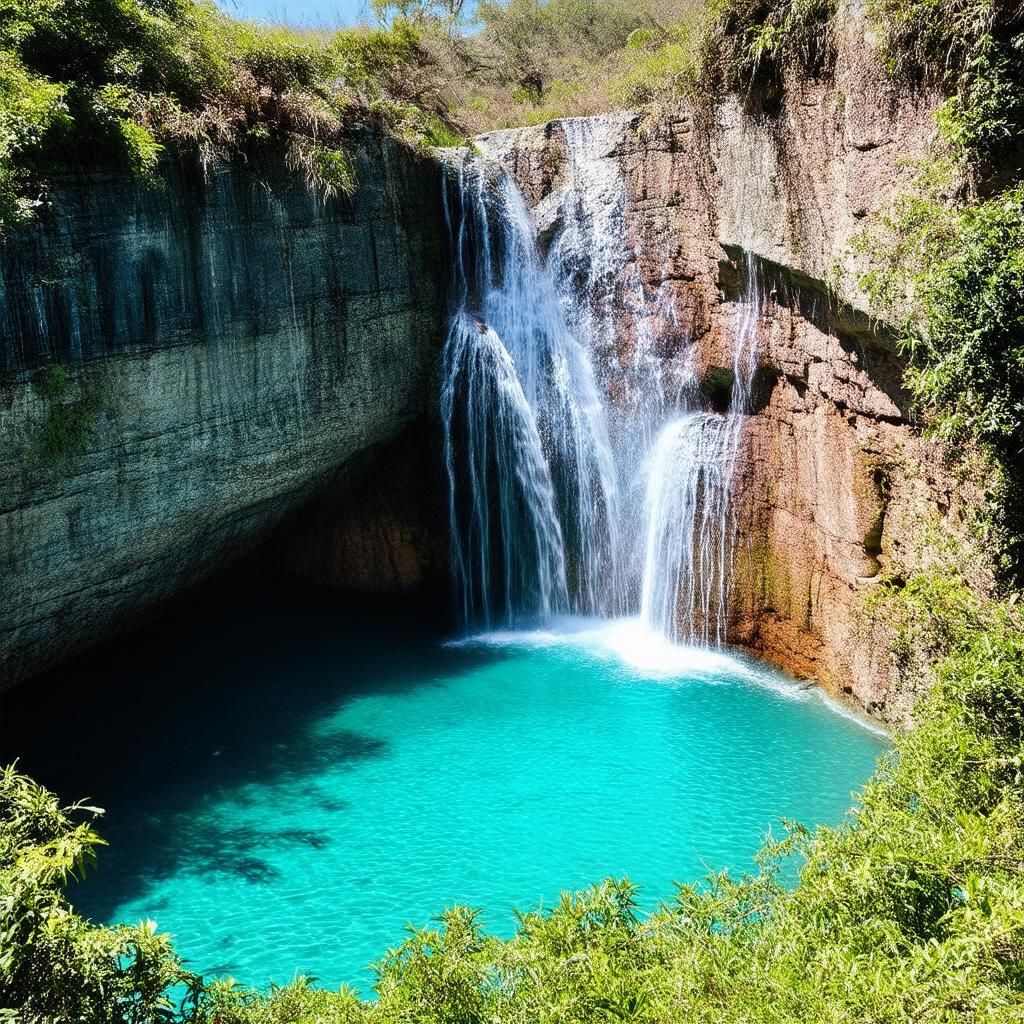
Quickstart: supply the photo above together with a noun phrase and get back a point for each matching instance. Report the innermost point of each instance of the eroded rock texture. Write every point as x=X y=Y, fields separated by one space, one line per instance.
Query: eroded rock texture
x=834 y=484
x=223 y=348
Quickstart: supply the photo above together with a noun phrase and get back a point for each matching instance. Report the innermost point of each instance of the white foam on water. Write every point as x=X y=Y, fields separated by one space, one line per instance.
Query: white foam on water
x=648 y=653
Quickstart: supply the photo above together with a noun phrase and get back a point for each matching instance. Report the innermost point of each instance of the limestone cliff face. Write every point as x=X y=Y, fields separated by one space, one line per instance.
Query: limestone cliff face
x=834 y=483
x=223 y=348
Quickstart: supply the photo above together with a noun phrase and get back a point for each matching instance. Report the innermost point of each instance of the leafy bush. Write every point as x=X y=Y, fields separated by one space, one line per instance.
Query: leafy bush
x=30 y=107
x=951 y=278
x=534 y=60
x=754 y=41
x=660 y=65
x=654 y=51
x=118 y=80
x=972 y=49
x=532 y=40
x=54 y=966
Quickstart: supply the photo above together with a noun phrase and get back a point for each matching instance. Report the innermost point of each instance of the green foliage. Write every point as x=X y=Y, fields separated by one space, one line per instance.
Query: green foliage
x=649 y=52
x=428 y=12
x=117 y=81
x=30 y=107
x=52 y=382
x=54 y=966
x=436 y=132
x=971 y=48
x=534 y=37
x=946 y=263
x=660 y=65
x=951 y=278
x=753 y=42
x=438 y=975
x=534 y=60
x=71 y=412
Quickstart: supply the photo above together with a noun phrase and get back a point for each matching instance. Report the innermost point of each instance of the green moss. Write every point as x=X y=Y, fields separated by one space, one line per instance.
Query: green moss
x=437 y=133
x=759 y=572
x=52 y=382
x=71 y=411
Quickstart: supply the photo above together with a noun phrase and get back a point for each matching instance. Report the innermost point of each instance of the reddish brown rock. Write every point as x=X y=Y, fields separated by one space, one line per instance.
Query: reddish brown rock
x=835 y=485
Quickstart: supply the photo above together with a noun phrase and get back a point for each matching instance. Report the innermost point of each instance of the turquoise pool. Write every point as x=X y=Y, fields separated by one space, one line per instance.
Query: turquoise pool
x=303 y=801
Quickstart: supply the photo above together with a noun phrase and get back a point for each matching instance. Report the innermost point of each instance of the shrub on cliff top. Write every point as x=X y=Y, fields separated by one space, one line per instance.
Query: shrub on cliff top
x=973 y=50
x=755 y=41
x=119 y=79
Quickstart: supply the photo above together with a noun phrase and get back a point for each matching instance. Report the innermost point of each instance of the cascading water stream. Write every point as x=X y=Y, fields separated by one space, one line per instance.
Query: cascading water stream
x=691 y=530
x=511 y=500
x=532 y=488
x=685 y=580
x=585 y=473
x=604 y=297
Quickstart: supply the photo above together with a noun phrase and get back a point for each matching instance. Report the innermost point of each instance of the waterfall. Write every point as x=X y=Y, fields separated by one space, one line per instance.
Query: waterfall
x=688 y=543
x=691 y=530
x=585 y=473
x=603 y=293
x=506 y=539
x=526 y=444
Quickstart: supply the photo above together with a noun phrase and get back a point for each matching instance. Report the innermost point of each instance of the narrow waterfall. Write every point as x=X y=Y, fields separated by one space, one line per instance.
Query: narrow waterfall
x=585 y=473
x=601 y=289
x=688 y=543
x=691 y=529
x=507 y=549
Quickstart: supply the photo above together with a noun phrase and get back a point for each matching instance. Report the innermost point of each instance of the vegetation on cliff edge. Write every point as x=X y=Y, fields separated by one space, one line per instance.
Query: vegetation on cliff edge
x=115 y=82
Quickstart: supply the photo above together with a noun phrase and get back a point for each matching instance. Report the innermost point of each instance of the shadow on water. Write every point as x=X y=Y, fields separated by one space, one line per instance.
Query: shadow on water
x=237 y=690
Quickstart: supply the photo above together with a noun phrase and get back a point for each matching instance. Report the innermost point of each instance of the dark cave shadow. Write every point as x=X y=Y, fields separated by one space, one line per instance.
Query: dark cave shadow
x=232 y=690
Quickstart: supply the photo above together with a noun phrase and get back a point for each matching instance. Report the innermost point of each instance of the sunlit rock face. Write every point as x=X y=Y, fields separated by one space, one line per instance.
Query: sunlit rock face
x=224 y=347
x=833 y=484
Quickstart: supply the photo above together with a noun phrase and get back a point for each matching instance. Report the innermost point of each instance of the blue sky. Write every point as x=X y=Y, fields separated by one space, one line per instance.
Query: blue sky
x=324 y=13
x=300 y=12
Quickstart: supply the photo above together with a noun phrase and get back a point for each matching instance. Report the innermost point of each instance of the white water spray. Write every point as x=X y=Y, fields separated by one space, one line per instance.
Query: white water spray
x=691 y=528
x=507 y=307
x=685 y=581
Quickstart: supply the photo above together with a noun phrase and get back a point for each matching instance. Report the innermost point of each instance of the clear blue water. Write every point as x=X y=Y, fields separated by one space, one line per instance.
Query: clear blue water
x=319 y=780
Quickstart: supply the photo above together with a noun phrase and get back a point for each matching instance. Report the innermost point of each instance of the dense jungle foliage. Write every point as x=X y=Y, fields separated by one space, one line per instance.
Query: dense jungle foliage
x=913 y=910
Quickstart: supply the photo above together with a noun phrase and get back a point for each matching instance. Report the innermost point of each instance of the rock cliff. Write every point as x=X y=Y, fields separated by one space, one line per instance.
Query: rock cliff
x=834 y=483
x=183 y=366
